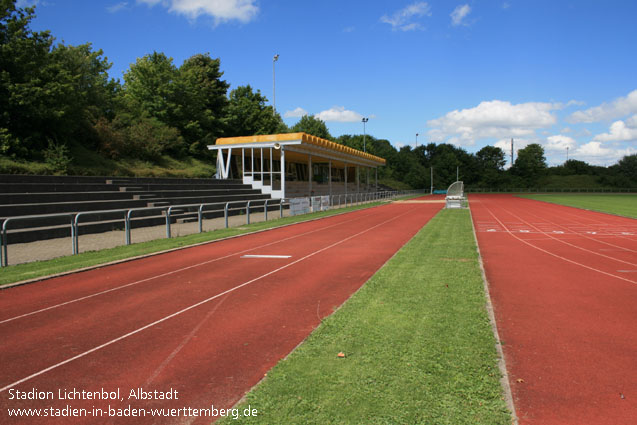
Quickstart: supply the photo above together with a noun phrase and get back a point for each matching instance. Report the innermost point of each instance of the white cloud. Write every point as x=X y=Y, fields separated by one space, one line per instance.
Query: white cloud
x=339 y=114
x=220 y=10
x=607 y=111
x=459 y=13
x=492 y=119
x=26 y=3
x=620 y=131
x=403 y=19
x=296 y=113
x=596 y=154
x=559 y=143
x=117 y=7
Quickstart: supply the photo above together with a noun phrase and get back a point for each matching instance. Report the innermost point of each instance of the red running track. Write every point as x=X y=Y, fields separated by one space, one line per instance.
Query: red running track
x=202 y=324
x=563 y=283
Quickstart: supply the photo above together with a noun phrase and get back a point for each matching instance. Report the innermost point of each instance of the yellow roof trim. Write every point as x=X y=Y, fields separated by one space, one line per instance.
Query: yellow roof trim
x=305 y=138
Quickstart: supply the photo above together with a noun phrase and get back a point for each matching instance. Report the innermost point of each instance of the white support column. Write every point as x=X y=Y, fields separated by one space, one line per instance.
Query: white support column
x=282 y=172
x=243 y=163
x=271 y=166
x=252 y=163
x=261 y=166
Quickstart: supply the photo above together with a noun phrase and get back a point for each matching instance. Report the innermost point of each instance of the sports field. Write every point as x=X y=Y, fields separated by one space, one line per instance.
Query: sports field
x=413 y=345
x=620 y=204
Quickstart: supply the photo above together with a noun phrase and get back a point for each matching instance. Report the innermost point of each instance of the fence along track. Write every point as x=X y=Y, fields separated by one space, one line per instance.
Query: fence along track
x=128 y=216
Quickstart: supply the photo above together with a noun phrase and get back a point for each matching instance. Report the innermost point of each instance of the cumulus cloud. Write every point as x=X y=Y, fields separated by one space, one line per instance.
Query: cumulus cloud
x=339 y=114
x=492 y=119
x=296 y=113
x=403 y=19
x=620 y=131
x=220 y=10
x=608 y=111
x=559 y=143
x=459 y=14
x=597 y=154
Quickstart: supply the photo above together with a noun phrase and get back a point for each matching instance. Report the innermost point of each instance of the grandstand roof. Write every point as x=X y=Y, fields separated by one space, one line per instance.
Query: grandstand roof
x=305 y=143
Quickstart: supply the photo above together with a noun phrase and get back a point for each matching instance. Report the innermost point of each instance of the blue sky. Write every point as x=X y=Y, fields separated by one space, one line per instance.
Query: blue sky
x=472 y=73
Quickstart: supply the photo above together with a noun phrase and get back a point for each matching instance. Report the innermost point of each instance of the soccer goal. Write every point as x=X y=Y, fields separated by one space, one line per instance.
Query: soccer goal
x=455 y=196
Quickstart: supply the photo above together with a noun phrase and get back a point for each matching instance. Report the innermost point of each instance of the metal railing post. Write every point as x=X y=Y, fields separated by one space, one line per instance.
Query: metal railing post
x=5 y=243
x=127 y=226
x=200 y=218
x=248 y=212
x=168 y=222
x=265 y=209
x=225 y=213
x=280 y=208
x=75 y=238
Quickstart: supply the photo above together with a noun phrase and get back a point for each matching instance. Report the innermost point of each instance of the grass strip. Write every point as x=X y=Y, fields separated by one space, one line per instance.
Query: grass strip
x=37 y=269
x=625 y=205
x=417 y=341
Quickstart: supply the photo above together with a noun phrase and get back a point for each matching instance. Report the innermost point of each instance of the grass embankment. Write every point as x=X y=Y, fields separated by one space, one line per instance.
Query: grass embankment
x=625 y=205
x=417 y=341
x=85 y=162
x=20 y=272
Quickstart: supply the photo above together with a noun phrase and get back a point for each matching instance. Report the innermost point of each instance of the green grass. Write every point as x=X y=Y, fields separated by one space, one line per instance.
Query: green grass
x=625 y=205
x=20 y=272
x=418 y=346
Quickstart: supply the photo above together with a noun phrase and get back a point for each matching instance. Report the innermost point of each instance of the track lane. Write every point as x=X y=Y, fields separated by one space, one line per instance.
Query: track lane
x=566 y=328
x=218 y=350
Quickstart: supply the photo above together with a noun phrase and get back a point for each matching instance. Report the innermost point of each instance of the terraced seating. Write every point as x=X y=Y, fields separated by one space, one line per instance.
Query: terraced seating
x=25 y=195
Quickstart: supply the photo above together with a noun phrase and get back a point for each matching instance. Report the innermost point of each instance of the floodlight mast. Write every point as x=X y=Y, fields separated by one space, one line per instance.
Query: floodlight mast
x=364 y=120
x=274 y=59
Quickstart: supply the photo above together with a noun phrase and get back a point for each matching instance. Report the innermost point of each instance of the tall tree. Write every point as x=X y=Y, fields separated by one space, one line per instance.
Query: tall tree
x=50 y=95
x=248 y=114
x=628 y=166
x=149 y=86
x=199 y=102
x=530 y=163
x=312 y=125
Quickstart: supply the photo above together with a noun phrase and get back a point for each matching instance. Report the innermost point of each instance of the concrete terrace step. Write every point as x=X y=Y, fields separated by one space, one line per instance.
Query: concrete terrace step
x=68 y=195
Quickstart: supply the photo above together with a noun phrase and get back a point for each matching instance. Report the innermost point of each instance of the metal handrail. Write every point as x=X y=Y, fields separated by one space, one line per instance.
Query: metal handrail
x=353 y=198
x=4 y=254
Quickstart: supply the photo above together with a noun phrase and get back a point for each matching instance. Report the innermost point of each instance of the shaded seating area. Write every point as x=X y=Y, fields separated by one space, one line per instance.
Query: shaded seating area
x=296 y=165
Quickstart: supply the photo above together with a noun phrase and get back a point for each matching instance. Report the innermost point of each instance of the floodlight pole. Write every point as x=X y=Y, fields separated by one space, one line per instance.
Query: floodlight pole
x=432 y=180
x=416 y=139
x=274 y=59
x=567 y=154
x=364 y=134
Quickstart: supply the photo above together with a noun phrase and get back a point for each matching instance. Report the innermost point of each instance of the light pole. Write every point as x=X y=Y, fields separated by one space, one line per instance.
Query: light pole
x=416 y=139
x=274 y=59
x=567 y=154
x=364 y=134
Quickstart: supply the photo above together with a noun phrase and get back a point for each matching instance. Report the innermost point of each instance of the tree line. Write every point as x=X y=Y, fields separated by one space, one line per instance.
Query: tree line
x=56 y=97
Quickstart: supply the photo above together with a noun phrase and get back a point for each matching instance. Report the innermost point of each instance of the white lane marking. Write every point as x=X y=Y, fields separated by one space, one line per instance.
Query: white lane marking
x=168 y=273
x=266 y=256
x=170 y=316
x=556 y=255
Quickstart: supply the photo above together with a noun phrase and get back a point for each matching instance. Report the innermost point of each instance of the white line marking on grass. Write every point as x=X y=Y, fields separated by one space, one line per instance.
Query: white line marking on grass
x=170 y=316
